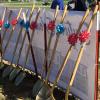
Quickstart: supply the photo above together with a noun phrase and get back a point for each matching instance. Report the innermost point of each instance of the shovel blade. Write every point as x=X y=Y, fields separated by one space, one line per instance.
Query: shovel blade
x=13 y=74
x=36 y=88
x=44 y=93
x=6 y=71
x=20 y=78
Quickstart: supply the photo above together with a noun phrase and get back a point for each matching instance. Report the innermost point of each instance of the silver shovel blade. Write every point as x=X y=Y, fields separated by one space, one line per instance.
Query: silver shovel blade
x=13 y=74
x=44 y=93
x=20 y=78
x=37 y=87
x=6 y=71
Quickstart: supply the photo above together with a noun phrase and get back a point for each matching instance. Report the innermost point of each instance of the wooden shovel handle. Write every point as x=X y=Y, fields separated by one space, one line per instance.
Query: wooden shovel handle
x=11 y=34
x=52 y=57
x=45 y=43
x=19 y=13
x=79 y=56
x=82 y=48
x=55 y=46
x=68 y=53
x=92 y=19
x=33 y=7
x=83 y=19
x=20 y=50
x=64 y=14
x=49 y=42
x=4 y=33
x=56 y=12
x=18 y=38
x=4 y=12
x=30 y=41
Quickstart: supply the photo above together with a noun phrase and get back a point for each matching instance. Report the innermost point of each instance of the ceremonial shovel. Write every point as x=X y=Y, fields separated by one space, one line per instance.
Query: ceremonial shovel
x=9 y=69
x=31 y=48
x=39 y=83
x=32 y=36
x=2 y=38
x=49 y=42
x=55 y=46
x=22 y=75
x=7 y=22
x=80 y=55
x=16 y=70
x=30 y=45
x=44 y=92
x=67 y=55
x=12 y=31
x=2 y=65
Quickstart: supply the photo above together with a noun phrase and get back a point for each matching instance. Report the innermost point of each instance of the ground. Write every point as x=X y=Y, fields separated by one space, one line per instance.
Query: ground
x=8 y=91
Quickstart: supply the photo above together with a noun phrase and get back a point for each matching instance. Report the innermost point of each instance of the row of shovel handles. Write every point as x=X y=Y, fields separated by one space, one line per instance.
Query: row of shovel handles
x=44 y=67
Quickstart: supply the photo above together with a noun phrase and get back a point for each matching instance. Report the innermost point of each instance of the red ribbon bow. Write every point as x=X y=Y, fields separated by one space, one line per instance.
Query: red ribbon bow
x=83 y=37
x=51 y=25
x=72 y=39
x=33 y=25
x=14 y=21
x=1 y=23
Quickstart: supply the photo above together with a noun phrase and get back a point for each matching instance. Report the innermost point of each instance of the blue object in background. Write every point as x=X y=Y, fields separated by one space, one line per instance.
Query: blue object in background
x=60 y=3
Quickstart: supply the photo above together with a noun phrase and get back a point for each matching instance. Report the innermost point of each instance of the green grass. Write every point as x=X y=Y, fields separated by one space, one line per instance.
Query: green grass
x=20 y=4
x=24 y=6
x=15 y=4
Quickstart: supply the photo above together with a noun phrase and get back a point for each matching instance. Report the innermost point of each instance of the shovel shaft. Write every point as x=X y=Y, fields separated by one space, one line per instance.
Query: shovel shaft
x=24 y=37
x=16 y=45
x=4 y=34
x=12 y=31
x=55 y=47
x=0 y=33
x=49 y=43
x=80 y=55
x=52 y=57
x=68 y=53
x=45 y=46
x=30 y=45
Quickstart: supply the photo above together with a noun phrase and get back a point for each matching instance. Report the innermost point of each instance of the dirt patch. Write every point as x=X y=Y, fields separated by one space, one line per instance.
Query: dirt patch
x=24 y=91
